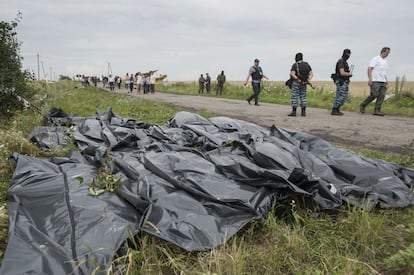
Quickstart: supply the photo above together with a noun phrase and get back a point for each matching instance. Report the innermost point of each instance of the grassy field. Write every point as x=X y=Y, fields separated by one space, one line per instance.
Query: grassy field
x=400 y=99
x=356 y=88
x=293 y=240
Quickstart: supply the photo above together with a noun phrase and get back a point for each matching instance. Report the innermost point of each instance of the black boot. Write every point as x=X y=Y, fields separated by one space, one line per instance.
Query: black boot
x=336 y=112
x=303 y=111
x=293 y=113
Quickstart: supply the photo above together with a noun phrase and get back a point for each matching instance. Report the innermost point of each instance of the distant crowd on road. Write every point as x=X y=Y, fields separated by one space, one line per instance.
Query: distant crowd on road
x=143 y=82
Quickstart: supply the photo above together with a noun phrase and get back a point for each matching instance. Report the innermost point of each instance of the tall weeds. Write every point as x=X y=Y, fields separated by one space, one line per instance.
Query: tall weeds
x=399 y=86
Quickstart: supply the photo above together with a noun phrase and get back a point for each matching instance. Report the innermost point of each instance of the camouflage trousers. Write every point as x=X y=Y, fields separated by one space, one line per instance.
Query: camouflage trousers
x=342 y=88
x=298 y=92
x=219 y=88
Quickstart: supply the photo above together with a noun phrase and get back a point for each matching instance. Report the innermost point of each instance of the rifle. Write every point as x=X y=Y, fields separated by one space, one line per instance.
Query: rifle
x=310 y=84
x=306 y=83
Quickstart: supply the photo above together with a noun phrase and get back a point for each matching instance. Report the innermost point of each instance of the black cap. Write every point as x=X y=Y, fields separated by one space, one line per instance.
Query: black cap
x=256 y=60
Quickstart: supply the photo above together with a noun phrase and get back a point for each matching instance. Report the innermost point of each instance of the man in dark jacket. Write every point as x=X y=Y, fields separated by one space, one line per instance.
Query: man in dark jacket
x=221 y=79
x=201 y=82
x=256 y=73
x=208 y=83
x=301 y=73
x=342 y=74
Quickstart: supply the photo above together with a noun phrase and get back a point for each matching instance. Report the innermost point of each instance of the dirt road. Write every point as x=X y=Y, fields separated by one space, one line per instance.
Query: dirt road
x=391 y=134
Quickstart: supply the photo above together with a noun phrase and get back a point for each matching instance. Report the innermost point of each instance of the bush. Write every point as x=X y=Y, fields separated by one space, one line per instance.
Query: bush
x=12 y=78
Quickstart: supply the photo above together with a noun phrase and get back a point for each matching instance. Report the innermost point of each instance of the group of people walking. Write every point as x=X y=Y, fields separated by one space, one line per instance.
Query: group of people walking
x=301 y=75
x=205 y=82
x=144 y=82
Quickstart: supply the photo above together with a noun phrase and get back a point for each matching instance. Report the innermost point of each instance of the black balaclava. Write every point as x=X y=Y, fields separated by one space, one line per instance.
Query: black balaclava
x=298 y=57
x=346 y=54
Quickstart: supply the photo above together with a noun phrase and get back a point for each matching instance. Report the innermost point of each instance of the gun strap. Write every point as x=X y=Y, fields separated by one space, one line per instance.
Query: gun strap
x=297 y=68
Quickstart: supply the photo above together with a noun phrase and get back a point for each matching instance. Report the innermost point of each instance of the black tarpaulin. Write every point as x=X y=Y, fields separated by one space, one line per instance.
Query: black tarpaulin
x=194 y=182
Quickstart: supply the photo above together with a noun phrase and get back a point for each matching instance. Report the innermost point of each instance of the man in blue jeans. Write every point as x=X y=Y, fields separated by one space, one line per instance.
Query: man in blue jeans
x=256 y=73
x=377 y=80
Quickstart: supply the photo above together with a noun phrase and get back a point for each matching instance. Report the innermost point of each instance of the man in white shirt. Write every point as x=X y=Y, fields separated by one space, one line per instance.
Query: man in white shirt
x=111 y=80
x=152 y=82
x=377 y=80
x=139 y=82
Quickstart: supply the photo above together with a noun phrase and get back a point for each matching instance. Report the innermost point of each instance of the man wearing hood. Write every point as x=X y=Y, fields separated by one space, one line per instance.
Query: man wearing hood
x=343 y=74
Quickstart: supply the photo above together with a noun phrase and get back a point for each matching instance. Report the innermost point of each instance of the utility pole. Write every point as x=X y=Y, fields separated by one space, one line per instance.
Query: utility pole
x=44 y=72
x=38 y=67
x=109 y=68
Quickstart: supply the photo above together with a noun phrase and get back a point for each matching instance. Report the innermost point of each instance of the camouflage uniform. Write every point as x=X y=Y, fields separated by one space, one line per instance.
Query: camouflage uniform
x=341 y=82
x=342 y=89
x=301 y=72
x=221 y=78
x=298 y=92
x=201 y=82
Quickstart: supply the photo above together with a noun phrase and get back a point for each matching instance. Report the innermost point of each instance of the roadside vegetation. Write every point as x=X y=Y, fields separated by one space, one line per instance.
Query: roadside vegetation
x=292 y=240
x=401 y=103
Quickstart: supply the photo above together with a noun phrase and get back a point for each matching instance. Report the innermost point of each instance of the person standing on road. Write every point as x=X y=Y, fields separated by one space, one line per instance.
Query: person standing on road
x=256 y=73
x=208 y=83
x=301 y=73
x=118 y=80
x=343 y=74
x=138 y=81
x=127 y=81
x=201 y=82
x=378 y=81
x=111 y=81
x=131 y=84
x=221 y=79
x=153 y=79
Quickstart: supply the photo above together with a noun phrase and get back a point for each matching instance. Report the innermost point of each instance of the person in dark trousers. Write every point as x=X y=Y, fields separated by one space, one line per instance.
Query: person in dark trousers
x=118 y=80
x=208 y=83
x=342 y=76
x=111 y=81
x=221 y=79
x=131 y=83
x=256 y=73
x=378 y=81
x=301 y=73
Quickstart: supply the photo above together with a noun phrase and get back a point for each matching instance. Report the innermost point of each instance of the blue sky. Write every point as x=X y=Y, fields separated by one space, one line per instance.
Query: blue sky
x=184 y=38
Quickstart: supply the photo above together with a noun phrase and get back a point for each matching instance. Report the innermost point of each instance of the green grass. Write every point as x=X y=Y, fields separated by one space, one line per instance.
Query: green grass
x=292 y=240
x=276 y=92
